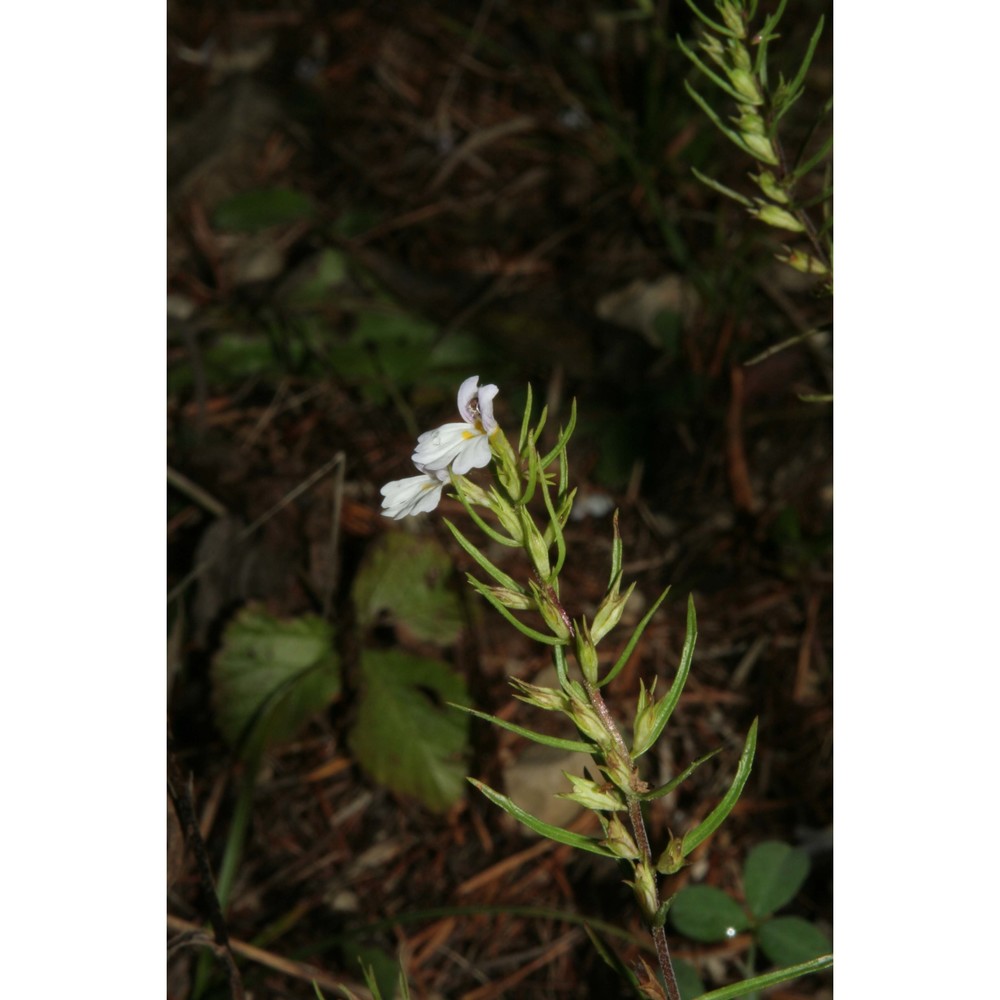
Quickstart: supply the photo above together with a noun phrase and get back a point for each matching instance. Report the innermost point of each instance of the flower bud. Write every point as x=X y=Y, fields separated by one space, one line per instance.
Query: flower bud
x=740 y=57
x=535 y=544
x=712 y=47
x=644 y=888
x=803 y=262
x=643 y=728
x=732 y=18
x=610 y=612
x=744 y=83
x=505 y=514
x=507 y=465
x=777 y=217
x=749 y=122
x=592 y=795
x=534 y=694
x=586 y=653
x=622 y=772
x=551 y=611
x=768 y=183
x=586 y=719
x=472 y=493
x=619 y=840
x=671 y=860
x=512 y=599
x=761 y=147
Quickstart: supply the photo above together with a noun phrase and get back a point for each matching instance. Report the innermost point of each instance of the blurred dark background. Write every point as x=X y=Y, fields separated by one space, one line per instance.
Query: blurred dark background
x=367 y=203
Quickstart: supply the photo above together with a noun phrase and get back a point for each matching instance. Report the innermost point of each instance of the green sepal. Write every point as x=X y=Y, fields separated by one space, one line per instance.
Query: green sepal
x=498 y=574
x=669 y=702
x=631 y=644
x=576 y=746
x=549 y=640
x=556 y=833
x=715 y=818
x=658 y=793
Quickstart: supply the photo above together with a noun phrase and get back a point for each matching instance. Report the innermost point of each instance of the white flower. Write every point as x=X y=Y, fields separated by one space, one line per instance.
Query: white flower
x=463 y=446
x=414 y=495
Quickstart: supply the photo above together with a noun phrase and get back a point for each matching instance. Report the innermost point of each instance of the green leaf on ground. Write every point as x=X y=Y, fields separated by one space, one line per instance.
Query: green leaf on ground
x=707 y=914
x=772 y=874
x=270 y=675
x=688 y=980
x=253 y=210
x=790 y=940
x=406 y=736
x=406 y=576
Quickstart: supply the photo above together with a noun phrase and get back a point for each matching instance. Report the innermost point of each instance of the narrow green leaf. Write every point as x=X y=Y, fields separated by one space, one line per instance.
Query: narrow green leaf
x=533 y=473
x=556 y=833
x=564 y=436
x=616 y=551
x=666 y=707
x=715 y=818
x=549 y=640
x=772 y=978
x=525 y=424
x=706 y=914
x=483 y=526
x=631 y=644
x=557 y=533
x=540 y=426
x=502 y=578
x=559 y=656
x=807 y=59
x=720 y=29
x=722 y=189
x=732 y=136
x=791 y=341
x=550 y=741
x=404 y=735
x=772 y=875
x=710 y=73
x=803 y=168
x=666 y=789
x=786 y=940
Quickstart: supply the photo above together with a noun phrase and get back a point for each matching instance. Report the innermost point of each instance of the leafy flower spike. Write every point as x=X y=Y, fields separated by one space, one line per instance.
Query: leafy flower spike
x=462 y=446
x=414 y=495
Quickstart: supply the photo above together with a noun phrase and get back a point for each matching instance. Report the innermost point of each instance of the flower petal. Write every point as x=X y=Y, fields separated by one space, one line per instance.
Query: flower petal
x=413 y=495
x=437 y=449
x=486 y=396
x=466 y=393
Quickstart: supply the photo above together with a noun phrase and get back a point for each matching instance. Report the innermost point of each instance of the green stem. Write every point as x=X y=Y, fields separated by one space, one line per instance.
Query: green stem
x=639 y=832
